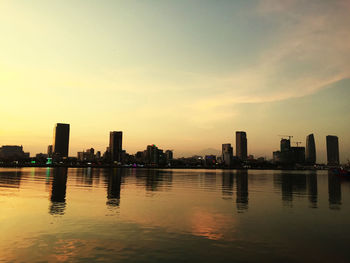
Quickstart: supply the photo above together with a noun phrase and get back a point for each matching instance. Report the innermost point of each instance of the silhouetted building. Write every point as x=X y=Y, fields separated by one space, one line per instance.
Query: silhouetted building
x=115 y=145
x=310 y=153
x=88 y=155
x=297 y=154
x=107 y=155
x=140 y=157
x=285 y=145
x=210 y=160
x=49 y=150
x=169 y=155
x=289 y=155
x=241 y=145
x=332 y=150
x=41 y=157
x=227 y=154
x=61 y=140
x=152 y=154
x=12 y=152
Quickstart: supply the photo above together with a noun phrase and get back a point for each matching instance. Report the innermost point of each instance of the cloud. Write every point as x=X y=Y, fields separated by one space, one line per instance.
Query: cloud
x=311 y=50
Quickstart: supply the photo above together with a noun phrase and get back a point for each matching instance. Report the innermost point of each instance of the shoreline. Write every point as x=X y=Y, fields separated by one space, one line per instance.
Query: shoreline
x=166 y=168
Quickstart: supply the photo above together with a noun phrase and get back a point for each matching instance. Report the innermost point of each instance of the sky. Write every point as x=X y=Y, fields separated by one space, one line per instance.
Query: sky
x=184 y=75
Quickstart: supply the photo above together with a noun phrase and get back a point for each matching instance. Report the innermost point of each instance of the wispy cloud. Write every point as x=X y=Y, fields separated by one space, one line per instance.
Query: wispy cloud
x=311 y=51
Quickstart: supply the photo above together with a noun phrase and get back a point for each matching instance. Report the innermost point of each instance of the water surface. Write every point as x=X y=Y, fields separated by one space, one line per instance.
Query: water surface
x=139 y=215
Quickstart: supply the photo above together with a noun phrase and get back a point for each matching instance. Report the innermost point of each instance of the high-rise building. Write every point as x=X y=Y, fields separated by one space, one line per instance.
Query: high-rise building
x=310 y=153
x=61 y=140
x=49 y=150
x=169 y=155
x=288 y=155
x=285 y=145
x=115 y=145
x=227 y=154
x=241 y=145
x=332 y=150
x=152 y=154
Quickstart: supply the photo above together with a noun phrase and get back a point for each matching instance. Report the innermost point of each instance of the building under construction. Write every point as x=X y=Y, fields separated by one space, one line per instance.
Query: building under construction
x=288 y=155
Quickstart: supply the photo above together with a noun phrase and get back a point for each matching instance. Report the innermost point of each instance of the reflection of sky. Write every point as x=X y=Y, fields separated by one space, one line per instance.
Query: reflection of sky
x=189 y=73
x=211 y=225
x=189 y=216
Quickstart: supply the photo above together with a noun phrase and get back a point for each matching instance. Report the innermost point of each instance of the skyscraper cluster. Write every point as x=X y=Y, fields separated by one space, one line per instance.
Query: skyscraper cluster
x=287 y=155
x=300 y=155
x=228 y=157
x=114 y=153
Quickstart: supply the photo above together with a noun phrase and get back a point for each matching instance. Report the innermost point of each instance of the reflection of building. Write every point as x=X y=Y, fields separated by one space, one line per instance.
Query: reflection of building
x=12 y=152
x=310 y=153
x=312 y=189
x=61 y=140
x=115 y=145
x=332 y=150
x=297 y=185
x=227 y=154
x=292 y=184
x=10 y=178
x=334 y=191
x=242 y=190
x=154 y=179
x=58 y=192
x=227 y=184
x=241 y=145
x=113 y=188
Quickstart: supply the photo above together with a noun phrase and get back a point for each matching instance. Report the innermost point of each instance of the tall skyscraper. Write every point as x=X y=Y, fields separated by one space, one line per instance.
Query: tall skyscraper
x=310 y=154
x=227 y=154
x=115 y=145
x=332 y=150
x=241 y=145
x=61 y=140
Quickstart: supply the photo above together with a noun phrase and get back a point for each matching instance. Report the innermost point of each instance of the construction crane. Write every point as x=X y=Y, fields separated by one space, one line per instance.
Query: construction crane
x=297 y=143
x=289 y=136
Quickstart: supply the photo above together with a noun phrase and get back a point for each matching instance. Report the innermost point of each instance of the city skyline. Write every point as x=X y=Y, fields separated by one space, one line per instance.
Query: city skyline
x=179 y=74
x=114 y=151
x=174 y=130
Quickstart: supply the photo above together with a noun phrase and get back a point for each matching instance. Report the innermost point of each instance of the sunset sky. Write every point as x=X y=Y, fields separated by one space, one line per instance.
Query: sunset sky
x=184 y=75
